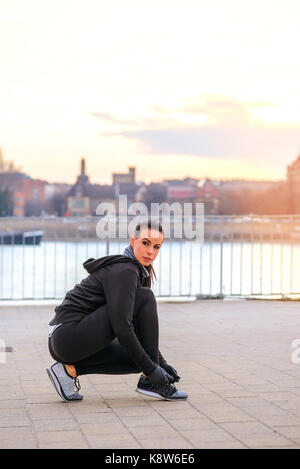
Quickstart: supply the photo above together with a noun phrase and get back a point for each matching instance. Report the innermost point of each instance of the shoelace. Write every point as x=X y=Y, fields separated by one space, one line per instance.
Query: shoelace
x=77 y=386
x=169 y=389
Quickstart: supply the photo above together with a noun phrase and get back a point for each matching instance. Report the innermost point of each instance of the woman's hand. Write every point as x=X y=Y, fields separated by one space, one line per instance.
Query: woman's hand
x=171 y=371
x=160 y=377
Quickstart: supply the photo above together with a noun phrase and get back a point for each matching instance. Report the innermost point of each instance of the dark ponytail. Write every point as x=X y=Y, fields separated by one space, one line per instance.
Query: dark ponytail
x=153 y=225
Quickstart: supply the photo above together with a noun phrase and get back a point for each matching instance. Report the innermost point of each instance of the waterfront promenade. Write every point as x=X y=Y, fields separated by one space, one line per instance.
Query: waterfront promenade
x=235 y=360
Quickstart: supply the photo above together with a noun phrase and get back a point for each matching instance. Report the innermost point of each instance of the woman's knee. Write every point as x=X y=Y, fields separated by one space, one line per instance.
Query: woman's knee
x=145 y=304
x=145 y=294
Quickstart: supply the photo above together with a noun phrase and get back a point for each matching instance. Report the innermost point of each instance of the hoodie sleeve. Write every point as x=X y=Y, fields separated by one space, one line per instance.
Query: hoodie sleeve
x=120 y=283
x=162 y=360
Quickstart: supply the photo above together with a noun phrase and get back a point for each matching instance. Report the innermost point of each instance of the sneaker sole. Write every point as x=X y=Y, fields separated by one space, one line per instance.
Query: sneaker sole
x=154 y=394
x=58 y=387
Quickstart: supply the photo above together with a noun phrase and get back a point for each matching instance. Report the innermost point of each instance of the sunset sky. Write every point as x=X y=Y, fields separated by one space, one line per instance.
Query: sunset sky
x=174 y=88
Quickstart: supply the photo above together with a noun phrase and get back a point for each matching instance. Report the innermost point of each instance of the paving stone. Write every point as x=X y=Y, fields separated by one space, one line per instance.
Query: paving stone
x=64 y=445
x=233 y=416
x=262 y=441
x=108 y=395
x=90 y=405
x=288 y=431
x=49 y=411
x=116 y=440
x=193 y=424
x=131 y=411
x=163 y=431
x=166 y=443
x=105 y=379
x=275 y=447
x=147 y=420
x=29 y=443
x=66 y=436
x=247 y=401
x=19 y=419
x=108 y=387
x=99 y=418
x=279 y=396
x=295 y=412
x=275 y=420
x=103 y=429
x=17 y=437
x=51 y=398
x=117 y=403
x=11 y=392
x=35 y=389
x=242 y=394
x=198 y=437
x=12 y=404
x=288 y=404
x=159 y=404
x=181 y=413
x=268 y=410
x=249 y=429
x=222 y=445
x=54 y=425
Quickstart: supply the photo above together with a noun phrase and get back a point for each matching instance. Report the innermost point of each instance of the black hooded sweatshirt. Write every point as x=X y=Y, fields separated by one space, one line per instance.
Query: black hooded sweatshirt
x=112 y=280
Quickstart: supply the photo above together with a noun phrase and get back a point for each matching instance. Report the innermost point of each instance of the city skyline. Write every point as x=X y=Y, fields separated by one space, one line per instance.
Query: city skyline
x=178 y=89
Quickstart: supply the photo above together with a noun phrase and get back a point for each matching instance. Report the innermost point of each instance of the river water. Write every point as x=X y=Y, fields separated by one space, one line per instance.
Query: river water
x=182 y=268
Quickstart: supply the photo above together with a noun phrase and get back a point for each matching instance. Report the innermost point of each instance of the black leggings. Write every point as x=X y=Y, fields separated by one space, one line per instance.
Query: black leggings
x=92 y=347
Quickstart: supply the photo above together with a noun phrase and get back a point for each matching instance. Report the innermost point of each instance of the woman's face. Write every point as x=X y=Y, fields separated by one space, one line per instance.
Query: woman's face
x=147 y=245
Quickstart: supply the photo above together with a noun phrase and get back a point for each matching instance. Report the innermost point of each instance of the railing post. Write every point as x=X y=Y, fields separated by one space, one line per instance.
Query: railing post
x=221 y=259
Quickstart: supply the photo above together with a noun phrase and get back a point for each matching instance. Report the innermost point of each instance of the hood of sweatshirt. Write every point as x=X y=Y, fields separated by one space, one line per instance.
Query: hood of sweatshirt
x=92 y=265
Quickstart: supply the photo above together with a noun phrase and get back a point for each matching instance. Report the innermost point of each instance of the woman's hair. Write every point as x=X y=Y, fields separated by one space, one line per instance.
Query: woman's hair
x=153 y=225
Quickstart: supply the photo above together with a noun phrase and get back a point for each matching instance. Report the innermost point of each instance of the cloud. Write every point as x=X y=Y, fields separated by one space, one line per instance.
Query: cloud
x=141 y=122
x=105 y=117
x=229 y=129
x=223 y=109
x=214 y=108
x=220 y=141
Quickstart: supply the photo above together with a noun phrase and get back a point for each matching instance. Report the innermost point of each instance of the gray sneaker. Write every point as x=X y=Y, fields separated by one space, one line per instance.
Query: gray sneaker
x=65 y=386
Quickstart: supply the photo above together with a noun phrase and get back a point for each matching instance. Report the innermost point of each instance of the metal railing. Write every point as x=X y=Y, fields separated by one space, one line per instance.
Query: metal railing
x=240 y=256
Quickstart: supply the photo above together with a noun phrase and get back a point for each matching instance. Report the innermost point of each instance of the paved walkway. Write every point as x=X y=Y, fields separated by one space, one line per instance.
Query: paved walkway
x=234 y=358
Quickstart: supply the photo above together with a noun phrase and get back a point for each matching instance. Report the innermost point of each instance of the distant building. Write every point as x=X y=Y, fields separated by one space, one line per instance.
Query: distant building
x=237 y=185
x=293 y=182
x=181 y=193
x=78 y=200
x=54 y=188
x=209 y=195
x=100 y=193
x=84 y=197
x=11 y=180
x=134 y=192
x=141 y=193
x=34 y=190
x=125 y=184
x=124 y=178
x=194 y=191
x=181 y=190
x=26 y=193
x=18 y=201
x=188 y=181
